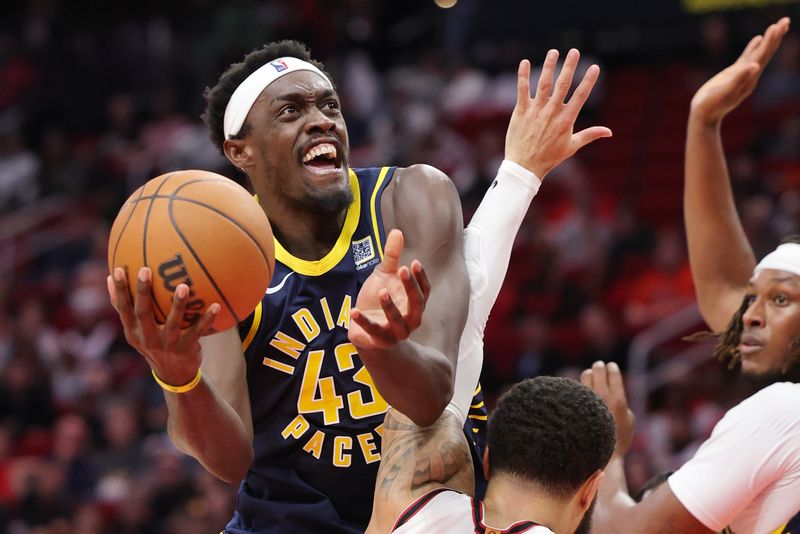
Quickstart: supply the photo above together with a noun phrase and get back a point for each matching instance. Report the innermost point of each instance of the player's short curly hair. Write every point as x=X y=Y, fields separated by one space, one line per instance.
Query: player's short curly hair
x=727 y=347
x=551 y=431
x=217 y=97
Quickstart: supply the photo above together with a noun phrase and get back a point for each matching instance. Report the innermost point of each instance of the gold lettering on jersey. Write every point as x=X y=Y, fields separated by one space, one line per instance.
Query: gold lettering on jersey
x=296 y=428
x=344 y=313
x=344 y=356
x=287 y=345
x=326 y=311
x=314 y=445
x=379 y=430
x=306 y=323
x=368 y=447
x=340 y=445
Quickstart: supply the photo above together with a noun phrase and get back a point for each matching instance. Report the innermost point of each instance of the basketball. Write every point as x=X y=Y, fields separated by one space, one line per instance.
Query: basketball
x=201 y=229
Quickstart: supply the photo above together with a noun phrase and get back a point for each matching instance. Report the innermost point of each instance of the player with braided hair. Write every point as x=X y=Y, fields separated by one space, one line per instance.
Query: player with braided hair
x=746 y=477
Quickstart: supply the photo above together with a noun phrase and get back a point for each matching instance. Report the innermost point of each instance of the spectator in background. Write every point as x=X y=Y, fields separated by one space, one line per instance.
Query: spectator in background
x=664 y=287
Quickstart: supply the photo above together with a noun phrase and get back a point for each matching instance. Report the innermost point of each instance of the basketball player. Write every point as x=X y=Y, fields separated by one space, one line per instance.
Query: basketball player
x=549 y=440
x=340 y=335
x=746 y=477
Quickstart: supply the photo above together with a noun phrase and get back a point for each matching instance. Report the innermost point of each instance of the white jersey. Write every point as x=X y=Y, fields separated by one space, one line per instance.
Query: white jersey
x=446 y=511
x=747 y=474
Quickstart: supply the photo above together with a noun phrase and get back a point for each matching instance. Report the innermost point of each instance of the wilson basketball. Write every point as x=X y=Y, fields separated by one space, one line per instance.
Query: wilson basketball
x=201 y=229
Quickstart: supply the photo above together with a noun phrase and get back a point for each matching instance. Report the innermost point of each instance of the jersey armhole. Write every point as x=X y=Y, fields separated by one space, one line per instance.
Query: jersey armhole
x=417 y=505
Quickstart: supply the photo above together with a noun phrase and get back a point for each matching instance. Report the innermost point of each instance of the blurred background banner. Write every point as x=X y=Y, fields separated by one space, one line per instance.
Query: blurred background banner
x=95 y=99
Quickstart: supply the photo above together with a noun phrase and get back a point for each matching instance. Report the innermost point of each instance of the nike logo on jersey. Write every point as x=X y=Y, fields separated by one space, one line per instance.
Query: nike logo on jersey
x=275 y=289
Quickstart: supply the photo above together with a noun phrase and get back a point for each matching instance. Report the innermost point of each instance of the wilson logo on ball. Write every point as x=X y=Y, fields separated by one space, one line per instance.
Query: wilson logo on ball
x=172 y=273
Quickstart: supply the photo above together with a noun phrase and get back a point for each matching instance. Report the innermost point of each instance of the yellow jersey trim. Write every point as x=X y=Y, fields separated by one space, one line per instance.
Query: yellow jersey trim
x=340 y=248
x=779 y=530
x=373 y=209
x=253 y=328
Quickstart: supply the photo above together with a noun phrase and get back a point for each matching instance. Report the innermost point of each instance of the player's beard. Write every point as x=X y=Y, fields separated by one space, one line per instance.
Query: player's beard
x=331 y=203
x=585 y=526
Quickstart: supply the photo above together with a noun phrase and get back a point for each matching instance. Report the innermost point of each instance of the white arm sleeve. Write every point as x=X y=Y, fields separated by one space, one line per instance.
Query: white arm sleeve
x=488 y=240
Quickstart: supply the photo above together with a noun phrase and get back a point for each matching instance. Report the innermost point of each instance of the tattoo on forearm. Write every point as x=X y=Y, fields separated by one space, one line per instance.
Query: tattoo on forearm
x=416 y=457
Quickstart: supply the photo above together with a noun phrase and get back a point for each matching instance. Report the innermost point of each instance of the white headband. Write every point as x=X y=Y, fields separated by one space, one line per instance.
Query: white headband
x=246 y=94
x=784 y=258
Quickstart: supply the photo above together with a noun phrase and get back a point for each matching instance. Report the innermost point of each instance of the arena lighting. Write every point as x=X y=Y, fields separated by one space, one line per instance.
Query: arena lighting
x=703 y=6
x=445 y=4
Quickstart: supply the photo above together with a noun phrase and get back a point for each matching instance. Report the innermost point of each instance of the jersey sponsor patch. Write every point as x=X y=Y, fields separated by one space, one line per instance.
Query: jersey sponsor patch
x=364 y=253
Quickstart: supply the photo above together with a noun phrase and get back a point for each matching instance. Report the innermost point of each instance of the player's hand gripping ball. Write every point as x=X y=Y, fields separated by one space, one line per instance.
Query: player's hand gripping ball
x=201 y=229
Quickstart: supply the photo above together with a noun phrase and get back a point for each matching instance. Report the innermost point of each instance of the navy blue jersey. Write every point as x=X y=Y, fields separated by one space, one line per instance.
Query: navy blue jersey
x=316 y=412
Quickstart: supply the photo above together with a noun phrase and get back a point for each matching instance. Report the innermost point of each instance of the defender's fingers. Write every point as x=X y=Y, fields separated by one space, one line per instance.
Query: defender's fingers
x=396 y=322
x=750 y=48
x=422 y=278
x=584 y=137
x=545 y=85
x=615 y=382
x=416 y=299
x=143 y=304
x=587 y=379
x=564 y=81
x=600 y=379
x=523 y=82
x=392 y=252
x=582 y=92
x=772 y=40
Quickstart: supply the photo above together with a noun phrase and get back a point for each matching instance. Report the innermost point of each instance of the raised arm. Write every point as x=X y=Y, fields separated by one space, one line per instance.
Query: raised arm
x=412 y=355
x=615 y=510
x=720 y=256
x=416 y=460
x=210 y=419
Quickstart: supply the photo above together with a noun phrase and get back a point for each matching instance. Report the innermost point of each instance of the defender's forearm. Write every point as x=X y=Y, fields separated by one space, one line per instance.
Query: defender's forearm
x=719 y=253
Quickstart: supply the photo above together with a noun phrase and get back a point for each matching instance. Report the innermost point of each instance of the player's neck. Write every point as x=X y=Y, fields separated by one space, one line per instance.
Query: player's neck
x=507 y=502
x=308 y=236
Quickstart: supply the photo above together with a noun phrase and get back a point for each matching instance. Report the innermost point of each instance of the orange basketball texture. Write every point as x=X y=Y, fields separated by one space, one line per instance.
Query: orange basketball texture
x=204 y=230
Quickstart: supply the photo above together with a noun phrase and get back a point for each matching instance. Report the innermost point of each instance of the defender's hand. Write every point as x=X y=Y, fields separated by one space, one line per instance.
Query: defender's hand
x=606 y=381
x=390 y=303
x=724 y=92
x=539 y=135
x=173 y=354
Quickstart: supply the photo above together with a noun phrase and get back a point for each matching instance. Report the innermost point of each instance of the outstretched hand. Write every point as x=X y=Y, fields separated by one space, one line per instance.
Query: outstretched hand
x=724 y=92
x=606 y=381
x=173 y=353
x=540 y=133
x=389 y=305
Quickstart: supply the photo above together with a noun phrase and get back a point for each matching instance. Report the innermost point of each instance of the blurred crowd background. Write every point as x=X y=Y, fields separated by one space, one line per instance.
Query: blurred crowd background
x=95 y=100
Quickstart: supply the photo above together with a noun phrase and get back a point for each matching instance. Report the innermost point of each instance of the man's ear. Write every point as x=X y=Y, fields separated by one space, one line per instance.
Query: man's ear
x=588 y=490
x=486 y=463
x=238 y=152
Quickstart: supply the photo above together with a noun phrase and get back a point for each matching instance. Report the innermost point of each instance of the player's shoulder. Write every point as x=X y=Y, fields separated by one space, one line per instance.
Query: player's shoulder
x=777 y=402
x=778 y=395
x=423 y=175
x=440 y=506
x=418 y=187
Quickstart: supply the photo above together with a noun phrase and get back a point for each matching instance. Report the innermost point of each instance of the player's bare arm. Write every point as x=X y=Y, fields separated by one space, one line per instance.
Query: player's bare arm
x=211 y=422
x=412 y=355
x=616 y=511
x=416 y=460
x=720 y=256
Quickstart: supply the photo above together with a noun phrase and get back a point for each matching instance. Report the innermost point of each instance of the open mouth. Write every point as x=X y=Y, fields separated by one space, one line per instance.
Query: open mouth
x=322 y=158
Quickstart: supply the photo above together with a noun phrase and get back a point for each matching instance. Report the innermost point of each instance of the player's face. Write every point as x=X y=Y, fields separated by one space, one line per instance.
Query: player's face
x=301 y=141
x=771 y=323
